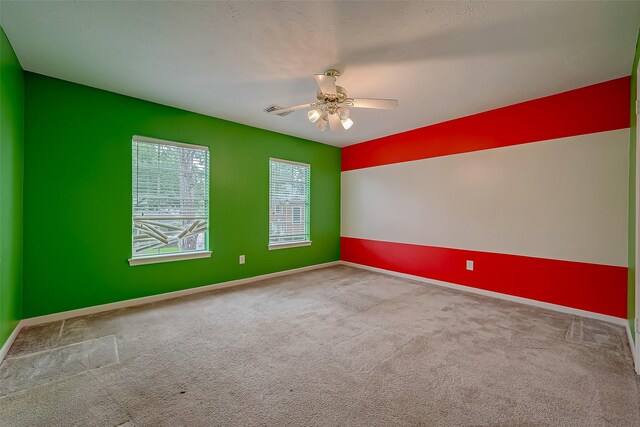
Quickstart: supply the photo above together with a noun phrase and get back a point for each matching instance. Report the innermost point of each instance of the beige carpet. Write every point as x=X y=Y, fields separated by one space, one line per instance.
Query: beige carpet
x=332 y=347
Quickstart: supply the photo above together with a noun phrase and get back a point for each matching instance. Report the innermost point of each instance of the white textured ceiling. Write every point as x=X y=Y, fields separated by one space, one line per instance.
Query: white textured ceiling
x=441 y=60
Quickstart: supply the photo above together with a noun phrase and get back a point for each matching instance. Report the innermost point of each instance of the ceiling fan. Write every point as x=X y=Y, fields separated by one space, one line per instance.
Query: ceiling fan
x=331 y=107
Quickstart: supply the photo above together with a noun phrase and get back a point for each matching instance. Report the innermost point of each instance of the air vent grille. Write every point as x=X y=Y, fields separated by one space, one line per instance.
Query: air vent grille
x=274 y=107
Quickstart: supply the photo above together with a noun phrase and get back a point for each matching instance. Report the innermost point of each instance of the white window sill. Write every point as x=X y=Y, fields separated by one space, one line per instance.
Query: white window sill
x=288 y=245
x=154 y=259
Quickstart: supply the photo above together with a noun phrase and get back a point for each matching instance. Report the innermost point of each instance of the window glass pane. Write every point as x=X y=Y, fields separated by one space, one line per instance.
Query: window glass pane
x=170 y=199
x=296 y=216
x=288 y=202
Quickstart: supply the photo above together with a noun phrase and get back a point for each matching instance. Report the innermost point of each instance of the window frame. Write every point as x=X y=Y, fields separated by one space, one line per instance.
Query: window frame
x=179 y=256
x=306 y=211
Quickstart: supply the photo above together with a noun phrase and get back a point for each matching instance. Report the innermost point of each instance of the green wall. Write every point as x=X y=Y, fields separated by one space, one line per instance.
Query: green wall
x=11 y=162
x=631 y=294
x=77 y=205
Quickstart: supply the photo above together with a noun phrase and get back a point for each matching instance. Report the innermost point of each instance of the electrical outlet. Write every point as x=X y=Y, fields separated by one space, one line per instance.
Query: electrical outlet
x=241 y=259
x=470 y=265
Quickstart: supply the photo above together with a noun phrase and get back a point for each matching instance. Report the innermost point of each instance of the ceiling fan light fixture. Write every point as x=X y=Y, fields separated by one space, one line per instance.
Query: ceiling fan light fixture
x=331 y=110
x=314 y=115
x=347 y=123
x=321 y=125
x=343 y=113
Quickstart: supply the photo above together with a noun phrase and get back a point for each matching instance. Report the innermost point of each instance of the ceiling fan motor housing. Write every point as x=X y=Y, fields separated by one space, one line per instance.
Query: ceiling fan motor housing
x=333 y=98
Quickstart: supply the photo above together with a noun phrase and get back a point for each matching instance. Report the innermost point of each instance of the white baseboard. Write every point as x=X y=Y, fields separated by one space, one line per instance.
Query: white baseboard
x=7 y=345
x=149 y=299
x=527 y=301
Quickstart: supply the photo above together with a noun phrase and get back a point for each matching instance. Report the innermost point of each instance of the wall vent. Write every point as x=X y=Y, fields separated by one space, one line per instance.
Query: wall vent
x=274 y=107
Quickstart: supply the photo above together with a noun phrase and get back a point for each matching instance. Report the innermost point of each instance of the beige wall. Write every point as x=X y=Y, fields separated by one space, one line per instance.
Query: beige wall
x=561 y=199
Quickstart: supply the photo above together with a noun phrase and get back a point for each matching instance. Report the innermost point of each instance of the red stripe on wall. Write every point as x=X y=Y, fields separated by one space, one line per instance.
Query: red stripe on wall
x=592 y=287
x=596 y=108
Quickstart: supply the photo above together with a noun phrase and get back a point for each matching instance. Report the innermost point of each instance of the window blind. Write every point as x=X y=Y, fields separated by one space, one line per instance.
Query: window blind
x=289 y=187
x=170 y=197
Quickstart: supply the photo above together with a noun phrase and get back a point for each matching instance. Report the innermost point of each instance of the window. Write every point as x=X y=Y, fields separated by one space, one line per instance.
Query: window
x=288 y=204
x=170 y=201
x=296 y=215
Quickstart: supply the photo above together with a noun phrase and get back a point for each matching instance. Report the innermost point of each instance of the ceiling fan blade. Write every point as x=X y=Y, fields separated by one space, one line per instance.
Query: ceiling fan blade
x=327 y=84
x=381 y=104
x=297 y=107
x=334 y=123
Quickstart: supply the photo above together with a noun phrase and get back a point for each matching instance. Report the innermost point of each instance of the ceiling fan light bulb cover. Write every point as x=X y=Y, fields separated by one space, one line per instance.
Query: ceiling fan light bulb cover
x=321 y=125
x=314 y=115
x=347 y=123
x=343 y=113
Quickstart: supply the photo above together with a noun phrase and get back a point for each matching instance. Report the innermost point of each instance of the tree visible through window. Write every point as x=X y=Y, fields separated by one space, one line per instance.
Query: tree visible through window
x=170 y=197
x=289 y=186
